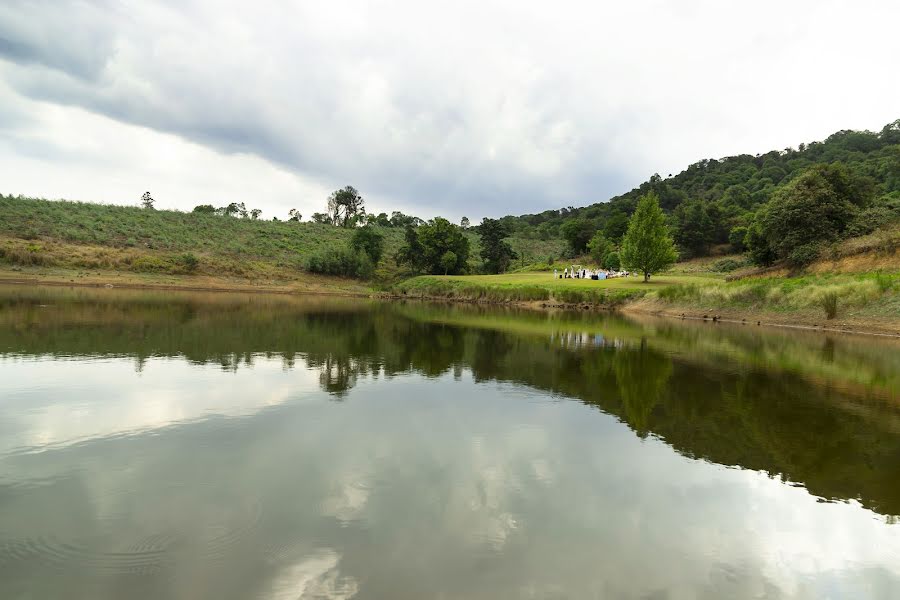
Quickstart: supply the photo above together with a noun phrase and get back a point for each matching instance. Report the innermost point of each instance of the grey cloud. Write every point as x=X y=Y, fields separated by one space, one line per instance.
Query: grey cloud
x=476 y=108
x=53 y=35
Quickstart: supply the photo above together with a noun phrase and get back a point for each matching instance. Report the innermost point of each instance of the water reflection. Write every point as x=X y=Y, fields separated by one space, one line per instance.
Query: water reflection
x=190 y=446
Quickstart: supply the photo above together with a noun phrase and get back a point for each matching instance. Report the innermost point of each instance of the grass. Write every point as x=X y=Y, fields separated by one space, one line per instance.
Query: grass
x=861 y=296
x=539 y=286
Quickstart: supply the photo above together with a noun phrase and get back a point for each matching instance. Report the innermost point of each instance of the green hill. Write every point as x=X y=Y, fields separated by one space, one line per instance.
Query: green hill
x=712 y=197
x=78 y=235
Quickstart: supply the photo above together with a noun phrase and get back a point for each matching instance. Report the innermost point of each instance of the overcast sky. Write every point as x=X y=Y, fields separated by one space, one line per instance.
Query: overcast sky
x=477 y=108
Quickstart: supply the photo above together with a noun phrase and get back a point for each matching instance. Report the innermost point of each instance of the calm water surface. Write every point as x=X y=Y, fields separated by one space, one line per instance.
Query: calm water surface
x=174 y=445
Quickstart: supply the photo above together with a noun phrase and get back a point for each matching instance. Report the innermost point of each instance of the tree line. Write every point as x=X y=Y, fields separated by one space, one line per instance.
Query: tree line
x=784 y=205
x=781 y=206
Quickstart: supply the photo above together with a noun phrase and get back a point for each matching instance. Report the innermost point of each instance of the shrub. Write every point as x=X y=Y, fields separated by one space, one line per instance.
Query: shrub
x=150 y=264
x=804 y=255
x=342 y=262
x=727 y=265
x=612 y=261
x=871 y=219
x=368 y=240
x=188 y=262
x=829 y=303
x=30 y=256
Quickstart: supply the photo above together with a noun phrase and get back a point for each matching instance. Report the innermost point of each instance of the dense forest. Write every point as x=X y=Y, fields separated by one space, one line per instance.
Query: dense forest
x=847 y=185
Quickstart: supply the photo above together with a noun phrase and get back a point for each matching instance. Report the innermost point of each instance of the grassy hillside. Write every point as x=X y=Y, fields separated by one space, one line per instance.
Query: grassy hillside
x=38 y=233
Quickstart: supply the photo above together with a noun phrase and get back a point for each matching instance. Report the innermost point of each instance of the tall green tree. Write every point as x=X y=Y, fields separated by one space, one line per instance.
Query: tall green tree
x=693 y=227
x=647 y=246
x=411 y=252
x=496 y=253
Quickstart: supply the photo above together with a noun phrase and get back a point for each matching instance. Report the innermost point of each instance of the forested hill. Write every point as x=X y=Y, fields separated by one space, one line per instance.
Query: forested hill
x=712 y=197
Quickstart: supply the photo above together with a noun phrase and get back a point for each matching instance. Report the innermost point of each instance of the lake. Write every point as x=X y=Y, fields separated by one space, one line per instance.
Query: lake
x=160 y=444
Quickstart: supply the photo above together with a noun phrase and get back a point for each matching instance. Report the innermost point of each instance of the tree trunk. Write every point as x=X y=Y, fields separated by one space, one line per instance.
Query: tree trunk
x=646 y=276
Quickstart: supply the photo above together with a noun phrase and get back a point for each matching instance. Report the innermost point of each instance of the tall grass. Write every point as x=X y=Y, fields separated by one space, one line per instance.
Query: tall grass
x=829 y=303
x=780 y=294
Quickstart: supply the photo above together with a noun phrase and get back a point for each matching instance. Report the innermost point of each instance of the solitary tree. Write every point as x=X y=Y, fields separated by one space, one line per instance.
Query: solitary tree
x=254 y=214
x=294 y=215
x=207 y=209
x=464 y=223
x=233 y=209
x=147 y=201
x=345 y=206
x=320 y=218
x=496 y=253
x=647 y=246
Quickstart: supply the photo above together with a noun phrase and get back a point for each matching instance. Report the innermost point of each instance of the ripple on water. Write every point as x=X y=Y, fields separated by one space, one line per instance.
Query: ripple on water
x=148 y=557
x=218 y=539
x=214 y=540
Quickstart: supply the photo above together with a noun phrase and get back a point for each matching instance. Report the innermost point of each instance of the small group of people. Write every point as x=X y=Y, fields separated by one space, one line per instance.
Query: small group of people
x=575 y=272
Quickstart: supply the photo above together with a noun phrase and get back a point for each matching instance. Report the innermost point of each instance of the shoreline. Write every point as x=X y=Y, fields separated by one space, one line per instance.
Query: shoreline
x=766 y=319
x=639 y=306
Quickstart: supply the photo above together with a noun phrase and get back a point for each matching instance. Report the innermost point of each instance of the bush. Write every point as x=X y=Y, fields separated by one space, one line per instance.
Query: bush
x=150 y=264
x=829 y=303
x=727 y=265
x=612 y=261
x=342 y=262
x=368 y=240
x=30 y=256
x=871 y=219
x=188 y=262
x=804 y=255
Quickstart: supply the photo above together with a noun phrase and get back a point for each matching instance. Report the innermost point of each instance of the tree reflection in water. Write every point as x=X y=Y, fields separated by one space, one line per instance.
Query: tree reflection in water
x=824 y=413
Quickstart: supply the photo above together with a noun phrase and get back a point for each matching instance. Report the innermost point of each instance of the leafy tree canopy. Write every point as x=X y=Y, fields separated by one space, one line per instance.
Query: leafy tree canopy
x=599 y=247
x=345 y=207
x=367 y=239
x=647 y=246
x=428 y=248
x=496 y=253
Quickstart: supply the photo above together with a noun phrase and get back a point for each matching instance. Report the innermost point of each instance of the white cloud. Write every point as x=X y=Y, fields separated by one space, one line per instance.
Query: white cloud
x=483 y=108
